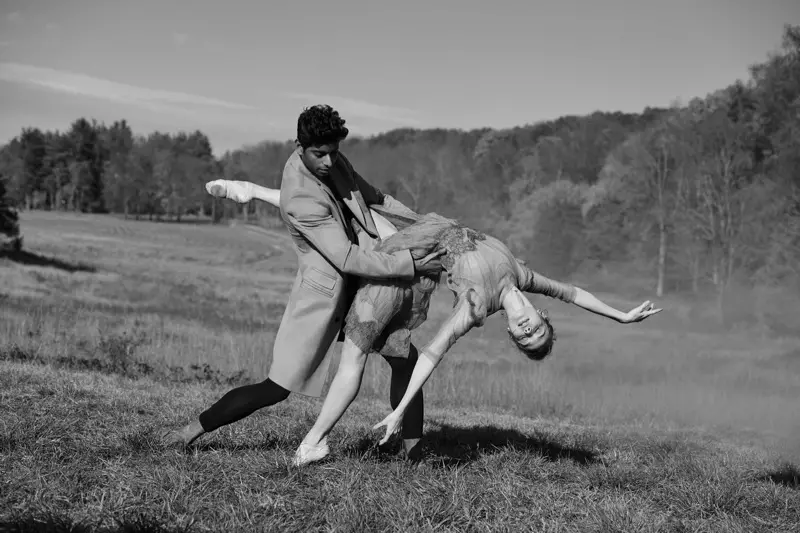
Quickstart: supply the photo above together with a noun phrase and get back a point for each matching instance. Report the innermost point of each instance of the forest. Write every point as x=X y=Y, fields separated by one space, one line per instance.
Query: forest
x=698 y=200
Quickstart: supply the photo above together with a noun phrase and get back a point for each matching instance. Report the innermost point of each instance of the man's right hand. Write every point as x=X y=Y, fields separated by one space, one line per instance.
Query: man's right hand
x=430 y=265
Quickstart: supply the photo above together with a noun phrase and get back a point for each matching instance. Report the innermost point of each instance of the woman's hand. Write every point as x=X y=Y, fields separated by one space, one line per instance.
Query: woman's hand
x=640 y=313
x=392 y=422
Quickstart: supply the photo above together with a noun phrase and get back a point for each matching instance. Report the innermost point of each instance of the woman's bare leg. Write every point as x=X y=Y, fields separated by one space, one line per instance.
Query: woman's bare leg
x=243 y=191
x=342 y=392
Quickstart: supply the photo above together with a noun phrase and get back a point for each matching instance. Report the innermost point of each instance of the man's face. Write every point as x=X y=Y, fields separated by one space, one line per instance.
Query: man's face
x=319 y=159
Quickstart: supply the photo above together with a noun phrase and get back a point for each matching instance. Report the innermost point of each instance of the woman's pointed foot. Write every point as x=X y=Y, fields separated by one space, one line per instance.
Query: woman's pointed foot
x=311 y=453
x=237 y=191
x=216 y=188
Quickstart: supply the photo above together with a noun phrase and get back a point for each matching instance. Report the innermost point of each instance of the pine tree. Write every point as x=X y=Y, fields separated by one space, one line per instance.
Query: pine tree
x=9 y=222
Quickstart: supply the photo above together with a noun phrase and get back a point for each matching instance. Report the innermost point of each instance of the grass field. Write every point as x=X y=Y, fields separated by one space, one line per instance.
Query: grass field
x=112 y=329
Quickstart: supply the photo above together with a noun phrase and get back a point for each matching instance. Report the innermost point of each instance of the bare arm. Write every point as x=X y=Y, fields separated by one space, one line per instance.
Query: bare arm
x=457 y=325
x=590 y=302
x=534 y=282
x=314 y=220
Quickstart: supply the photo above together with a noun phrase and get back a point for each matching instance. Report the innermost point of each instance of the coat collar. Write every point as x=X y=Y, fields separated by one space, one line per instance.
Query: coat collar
x=341 y=186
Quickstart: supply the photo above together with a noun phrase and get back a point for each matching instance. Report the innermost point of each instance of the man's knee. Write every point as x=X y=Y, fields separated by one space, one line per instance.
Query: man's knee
x=274 y=390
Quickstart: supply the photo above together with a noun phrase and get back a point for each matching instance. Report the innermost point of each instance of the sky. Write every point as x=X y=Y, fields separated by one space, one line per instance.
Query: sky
x=242 y=70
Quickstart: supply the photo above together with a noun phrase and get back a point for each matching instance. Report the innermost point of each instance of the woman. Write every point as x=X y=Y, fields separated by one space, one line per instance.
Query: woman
x=484 y=277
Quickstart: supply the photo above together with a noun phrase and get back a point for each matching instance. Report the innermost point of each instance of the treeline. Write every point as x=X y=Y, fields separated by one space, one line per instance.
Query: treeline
x=696 y=197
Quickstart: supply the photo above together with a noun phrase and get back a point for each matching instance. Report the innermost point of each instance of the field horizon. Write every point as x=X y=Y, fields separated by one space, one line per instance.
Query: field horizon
x=113 y=329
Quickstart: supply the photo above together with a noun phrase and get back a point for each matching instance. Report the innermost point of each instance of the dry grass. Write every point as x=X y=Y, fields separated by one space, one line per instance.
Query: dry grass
x=637 y=428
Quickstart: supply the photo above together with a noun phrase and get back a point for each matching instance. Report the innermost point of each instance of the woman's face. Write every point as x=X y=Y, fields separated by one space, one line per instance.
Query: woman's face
x=527 y=327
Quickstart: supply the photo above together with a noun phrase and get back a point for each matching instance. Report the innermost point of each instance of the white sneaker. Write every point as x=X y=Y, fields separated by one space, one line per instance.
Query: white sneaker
x=309 y=453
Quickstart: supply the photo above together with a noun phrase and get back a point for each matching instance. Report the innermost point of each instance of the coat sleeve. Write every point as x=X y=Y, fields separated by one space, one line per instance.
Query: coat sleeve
x=313 y=219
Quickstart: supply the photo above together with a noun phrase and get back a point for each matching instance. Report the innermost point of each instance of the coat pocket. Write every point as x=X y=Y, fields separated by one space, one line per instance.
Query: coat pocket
x=318 y=281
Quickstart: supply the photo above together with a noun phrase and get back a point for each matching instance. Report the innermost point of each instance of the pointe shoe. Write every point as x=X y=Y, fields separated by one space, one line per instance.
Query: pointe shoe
x=310 y=453
x=236 y=191
x=216 y=188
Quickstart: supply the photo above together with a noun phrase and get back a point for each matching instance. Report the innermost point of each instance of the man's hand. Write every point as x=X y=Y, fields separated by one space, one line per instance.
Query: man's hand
x=640 y=313
x=430 y=265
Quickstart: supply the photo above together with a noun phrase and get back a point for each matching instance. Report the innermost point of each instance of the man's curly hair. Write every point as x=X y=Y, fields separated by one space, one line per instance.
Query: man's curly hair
x=320 y=124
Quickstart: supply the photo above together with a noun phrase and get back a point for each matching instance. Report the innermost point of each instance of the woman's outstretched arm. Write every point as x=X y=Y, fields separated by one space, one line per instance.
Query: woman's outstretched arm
x=530 y=281
x=586 y=300
x=457 y=325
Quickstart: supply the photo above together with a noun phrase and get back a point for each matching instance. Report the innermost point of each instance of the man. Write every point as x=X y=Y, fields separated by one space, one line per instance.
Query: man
x=324 y=204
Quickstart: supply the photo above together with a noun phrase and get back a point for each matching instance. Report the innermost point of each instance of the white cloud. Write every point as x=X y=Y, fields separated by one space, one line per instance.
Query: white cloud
x=83 y=85
x=360 y=108
x=180 y=38
x=15 y=17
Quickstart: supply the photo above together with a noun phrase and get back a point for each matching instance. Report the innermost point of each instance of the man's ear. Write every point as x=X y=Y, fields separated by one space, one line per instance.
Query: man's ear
x=297 y=144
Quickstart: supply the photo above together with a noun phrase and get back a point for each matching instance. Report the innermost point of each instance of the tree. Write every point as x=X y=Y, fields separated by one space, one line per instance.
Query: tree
x=646 y=174
x=118 y=185
x=546 y=227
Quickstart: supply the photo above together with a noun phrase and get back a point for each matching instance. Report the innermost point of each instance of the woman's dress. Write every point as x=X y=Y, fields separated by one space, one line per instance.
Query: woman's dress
x=478 y=269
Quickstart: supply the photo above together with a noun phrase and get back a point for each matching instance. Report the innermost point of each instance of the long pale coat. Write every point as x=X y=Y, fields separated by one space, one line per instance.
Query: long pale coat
x=330 y=261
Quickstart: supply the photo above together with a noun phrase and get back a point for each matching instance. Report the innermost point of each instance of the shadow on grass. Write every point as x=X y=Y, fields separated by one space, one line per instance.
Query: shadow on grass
x=458 y=445
x=31 y=259
x=787 y=475
x=452 y=446
x=54 y=523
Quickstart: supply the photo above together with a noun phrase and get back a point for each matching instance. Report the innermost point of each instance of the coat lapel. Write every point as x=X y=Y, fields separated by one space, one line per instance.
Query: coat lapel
x=326 y=189
x=345 y=187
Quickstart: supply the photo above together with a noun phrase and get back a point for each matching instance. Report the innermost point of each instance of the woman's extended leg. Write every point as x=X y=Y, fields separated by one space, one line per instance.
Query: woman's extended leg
x=342 y=392
x=244 y=191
